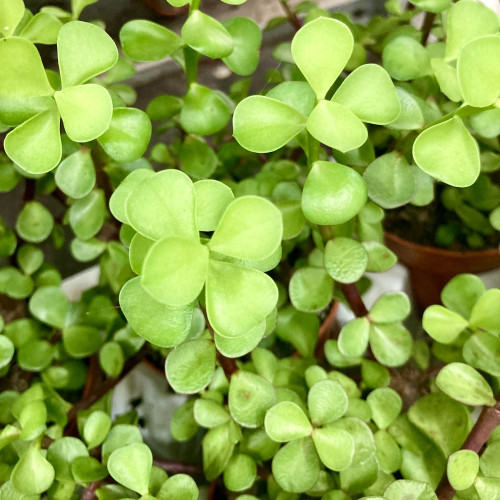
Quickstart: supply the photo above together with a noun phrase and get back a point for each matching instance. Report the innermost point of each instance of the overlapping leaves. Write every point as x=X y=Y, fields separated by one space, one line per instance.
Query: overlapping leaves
x=176 y=265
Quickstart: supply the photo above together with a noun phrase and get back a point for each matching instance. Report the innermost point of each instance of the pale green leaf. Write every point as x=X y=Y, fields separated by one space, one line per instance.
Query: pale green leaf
x=86 y=111
x=158 y=323
x=247 y=38
x=238 y=298
x=345 y=259
x=449 y=153
x=327 y=401
x=42 y=28
x=335 y=447
x=250 y=229
x=240 y=473
x=212 y=199
x=286 y=421
x=461 y=293
x=262 y=124
x=321 y=49
x=385 y=404
x=190 y=366
x=390 y=307
x=175 y=270
x=354 y=337
x=442 y=324
x=32 y=474
x=75 y=176
x=34 y=222
x=84 y=50
x=462 y=469
x=235 y=347
x=336 y=126
x=391 y=343
x=405 y=59
x=310 y=289
x=333 y=193
x=11 y=14
x=370 y=94
x=131 y=465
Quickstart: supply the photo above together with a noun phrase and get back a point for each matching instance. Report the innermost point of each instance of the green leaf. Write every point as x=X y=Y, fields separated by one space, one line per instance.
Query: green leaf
x=298 y=95
x=483 y=315
x=209 y=414
x=293 y=218
x=336 y=126
x=75 y=176
x=466 y=22
x=158 y=323
x=461 y=293
x=163 y=205
x=11 y=14
x=138 y=250
x=447 y=77
x=411 y=490
x=286 y=421
x=370 y=94
x=212 y=199
x=6 y=351
x=250 y=396
x=354 y=337
x=175 y=271
x=36 y=144
x=218 y=445
x=442 y=324
x=391 y=343
x=298 y=328
x=207 y=36
x=80 y=341
x=29 y=258
x=127 y=137
x=380 y=258
x=117 y=202
x=405 y=59
x=335 y=447
x=462 y=469
x=34 y=223
x=390 y=180
x=262 y=124
x=240 y=472
x=235 y=347
x=247 y=38
x=487 y=487
x=345 y=259
x=33 y=418
x=364 y=442
x=197 y=158
x=388 y=452
x=35 y=355
x=96 y=428
x=87 y=215
x=433 y=414
x=327 y=401
x=449 y=153
x=88 y=469
x=49 y=305
x=22 y=74
x=84 y=50
x=190 y=366
x=333 y=193
x=310 y=289
x=238 y=298
x=385 y=404
x=111 y=359
x=482 y=350
x=62 y=452
x=164 y=107
x=119 y=435
x=33 y=474
x=178 y=487
x=78 y=5
x=296 y=466
x=147 y=41
x=131 y=466
x=478 y=71
x=14 y=283
x=86 y=111
x=204 y=112
x=42 y=28
x=321 y=49
x=250 y=229
x=465 y=384
x=390 y=307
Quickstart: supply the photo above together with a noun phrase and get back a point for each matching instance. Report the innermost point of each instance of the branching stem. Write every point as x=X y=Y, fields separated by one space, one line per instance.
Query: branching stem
x=354 y=299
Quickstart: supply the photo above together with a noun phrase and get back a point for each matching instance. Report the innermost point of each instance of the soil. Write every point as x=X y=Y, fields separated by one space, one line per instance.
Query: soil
x=419 y=225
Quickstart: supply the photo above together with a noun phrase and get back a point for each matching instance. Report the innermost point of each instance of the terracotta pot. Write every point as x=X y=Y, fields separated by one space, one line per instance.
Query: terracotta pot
x=431 y=268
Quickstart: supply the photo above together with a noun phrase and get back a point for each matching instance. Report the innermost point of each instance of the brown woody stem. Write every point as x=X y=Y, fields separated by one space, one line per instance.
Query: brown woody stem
x=174 y=467
x=326 y=330
x=427 y=26
x=487 y=422
x=354 y=299
x=291 y=16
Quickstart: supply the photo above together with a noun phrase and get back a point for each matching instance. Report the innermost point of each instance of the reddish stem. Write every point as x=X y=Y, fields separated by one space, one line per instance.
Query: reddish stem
x=291 y=16
x=174 y=467
x=487 y=422
x=326 y=330
x=354 y=299
x=427 y=26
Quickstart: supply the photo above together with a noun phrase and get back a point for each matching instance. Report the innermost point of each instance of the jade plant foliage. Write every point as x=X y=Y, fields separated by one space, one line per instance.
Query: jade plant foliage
x=225 y=251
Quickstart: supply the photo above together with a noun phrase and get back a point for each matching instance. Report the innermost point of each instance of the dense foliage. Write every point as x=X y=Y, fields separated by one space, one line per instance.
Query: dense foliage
x=225 y=253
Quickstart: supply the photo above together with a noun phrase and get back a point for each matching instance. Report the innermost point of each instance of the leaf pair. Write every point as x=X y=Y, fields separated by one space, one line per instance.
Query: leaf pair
x=321 y=50
x=167 y=211
x=286 y=422
x=390 y=342
x=28 y=100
